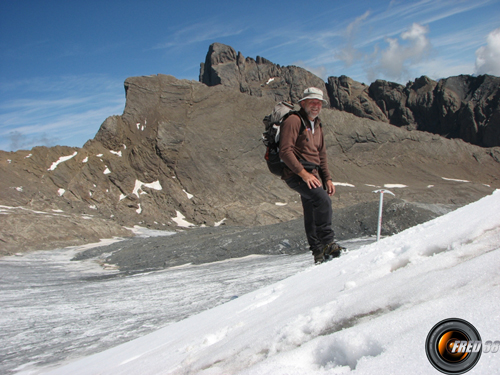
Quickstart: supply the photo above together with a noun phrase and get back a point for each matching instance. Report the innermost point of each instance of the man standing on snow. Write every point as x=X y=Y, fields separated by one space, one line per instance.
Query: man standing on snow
x=302 y=149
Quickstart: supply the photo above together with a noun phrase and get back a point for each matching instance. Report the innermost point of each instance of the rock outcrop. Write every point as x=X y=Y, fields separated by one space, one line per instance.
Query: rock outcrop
x=257 y=77
x=187 y=154
x=462 y=107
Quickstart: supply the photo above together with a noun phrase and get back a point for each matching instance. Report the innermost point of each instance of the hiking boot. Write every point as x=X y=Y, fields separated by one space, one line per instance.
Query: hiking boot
x=332 y=250
x=319 y=256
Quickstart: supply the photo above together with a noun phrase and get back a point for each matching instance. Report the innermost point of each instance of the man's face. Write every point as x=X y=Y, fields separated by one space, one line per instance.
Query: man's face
x=312 y=107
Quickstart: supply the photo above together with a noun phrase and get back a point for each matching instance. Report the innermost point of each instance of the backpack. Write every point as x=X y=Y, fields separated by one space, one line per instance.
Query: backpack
x=271 y=135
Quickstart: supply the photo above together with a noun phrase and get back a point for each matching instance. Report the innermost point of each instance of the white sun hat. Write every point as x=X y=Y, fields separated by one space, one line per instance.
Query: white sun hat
x=313 y=93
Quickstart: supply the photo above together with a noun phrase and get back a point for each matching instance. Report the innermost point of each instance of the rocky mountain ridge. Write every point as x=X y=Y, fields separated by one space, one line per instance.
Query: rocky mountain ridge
x=187 y=154
x=463 y=107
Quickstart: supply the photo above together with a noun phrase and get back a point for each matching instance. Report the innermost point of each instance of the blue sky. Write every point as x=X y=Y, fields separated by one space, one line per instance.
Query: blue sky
x=63 y=63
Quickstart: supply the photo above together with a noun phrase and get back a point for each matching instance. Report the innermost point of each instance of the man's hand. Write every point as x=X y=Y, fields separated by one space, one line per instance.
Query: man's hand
x=311 y=180
x=330 y=187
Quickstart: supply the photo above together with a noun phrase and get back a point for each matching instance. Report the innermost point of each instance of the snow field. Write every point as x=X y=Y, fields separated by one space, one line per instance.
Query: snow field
x=368 y=312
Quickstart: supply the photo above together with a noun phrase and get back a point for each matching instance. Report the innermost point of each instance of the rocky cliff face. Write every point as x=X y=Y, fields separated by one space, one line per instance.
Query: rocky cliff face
x=256 y=77
x=187 y=154
x=462 y=107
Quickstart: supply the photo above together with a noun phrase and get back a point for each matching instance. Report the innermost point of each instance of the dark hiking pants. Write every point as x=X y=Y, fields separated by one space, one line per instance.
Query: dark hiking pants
x=317 y=207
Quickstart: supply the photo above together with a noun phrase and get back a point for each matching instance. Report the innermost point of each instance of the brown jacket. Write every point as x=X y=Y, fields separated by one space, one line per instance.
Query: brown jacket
x=306 y=146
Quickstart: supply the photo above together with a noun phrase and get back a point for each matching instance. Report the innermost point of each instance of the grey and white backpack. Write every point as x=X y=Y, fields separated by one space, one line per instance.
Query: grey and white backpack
x=271 y=135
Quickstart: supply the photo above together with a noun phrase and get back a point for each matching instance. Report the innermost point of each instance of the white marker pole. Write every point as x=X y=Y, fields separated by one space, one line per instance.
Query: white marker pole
x=379 y=226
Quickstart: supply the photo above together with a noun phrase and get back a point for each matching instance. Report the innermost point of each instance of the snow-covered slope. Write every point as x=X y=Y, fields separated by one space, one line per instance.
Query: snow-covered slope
x=368 y=312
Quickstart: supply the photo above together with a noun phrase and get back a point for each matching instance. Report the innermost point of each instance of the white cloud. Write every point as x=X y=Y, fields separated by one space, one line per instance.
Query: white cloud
x=395 y=61
x=349 y=54
x=399 y=42
x=354 y=26
x=488 y=56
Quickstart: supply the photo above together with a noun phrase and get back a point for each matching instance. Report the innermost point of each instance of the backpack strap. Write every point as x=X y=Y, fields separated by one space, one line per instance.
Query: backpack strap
x=302 y=122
